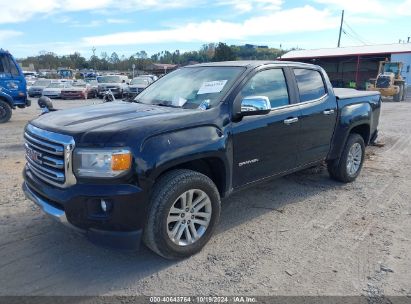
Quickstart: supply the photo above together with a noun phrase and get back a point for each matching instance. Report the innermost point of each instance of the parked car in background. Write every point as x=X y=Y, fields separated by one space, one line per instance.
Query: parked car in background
x=30 y=81
x=116 y=83
x=53 y=90
x=150 y=76
x=36 y=90
x=138 y=84
x=93 y=83
x=79 y=90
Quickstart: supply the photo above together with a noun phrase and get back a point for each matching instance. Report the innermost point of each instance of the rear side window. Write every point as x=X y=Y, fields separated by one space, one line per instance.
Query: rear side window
x=310 y=84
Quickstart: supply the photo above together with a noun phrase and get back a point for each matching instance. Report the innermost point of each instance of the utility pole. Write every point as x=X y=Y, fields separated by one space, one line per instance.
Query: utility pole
x=342 y=20
x=93 y=49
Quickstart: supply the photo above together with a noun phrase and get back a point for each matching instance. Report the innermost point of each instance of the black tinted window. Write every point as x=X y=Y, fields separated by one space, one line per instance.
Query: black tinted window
x=7 y=66
x=3 y=64
x=13 y=67
x=310 y=84
x=269 y=83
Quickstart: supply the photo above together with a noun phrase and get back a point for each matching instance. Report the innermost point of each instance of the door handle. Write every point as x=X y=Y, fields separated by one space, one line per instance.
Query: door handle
x=290 y=121
x=328 y=112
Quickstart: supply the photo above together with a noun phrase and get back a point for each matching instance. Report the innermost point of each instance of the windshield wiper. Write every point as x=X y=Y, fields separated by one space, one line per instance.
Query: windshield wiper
x=165 y=105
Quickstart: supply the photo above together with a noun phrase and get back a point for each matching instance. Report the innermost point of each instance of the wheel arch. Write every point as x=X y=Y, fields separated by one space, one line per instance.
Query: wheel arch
x=363 y=130
x=7 y=98
x=212 y=166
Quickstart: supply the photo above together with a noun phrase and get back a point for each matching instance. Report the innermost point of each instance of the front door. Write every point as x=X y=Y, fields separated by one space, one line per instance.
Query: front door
x=265 y=145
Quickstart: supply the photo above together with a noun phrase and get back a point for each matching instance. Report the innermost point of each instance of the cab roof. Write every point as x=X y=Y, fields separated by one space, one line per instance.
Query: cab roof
x=249 y=63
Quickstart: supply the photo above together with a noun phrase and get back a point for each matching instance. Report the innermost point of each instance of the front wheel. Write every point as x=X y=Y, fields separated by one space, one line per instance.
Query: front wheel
x=348 y=167
x=5 y=111
x=184 y=212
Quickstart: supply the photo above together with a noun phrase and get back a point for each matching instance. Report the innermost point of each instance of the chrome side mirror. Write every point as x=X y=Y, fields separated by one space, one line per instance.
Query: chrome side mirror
x=255 y=105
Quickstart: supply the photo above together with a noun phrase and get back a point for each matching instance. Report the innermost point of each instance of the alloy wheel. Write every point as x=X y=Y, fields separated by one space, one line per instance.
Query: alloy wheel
x=189 y=217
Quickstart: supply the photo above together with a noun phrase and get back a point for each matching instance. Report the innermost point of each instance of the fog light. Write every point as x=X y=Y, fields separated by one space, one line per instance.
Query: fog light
x=105 y=205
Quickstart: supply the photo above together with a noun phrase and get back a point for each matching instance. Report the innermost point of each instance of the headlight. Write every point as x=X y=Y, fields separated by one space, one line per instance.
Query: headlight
x=101 y=162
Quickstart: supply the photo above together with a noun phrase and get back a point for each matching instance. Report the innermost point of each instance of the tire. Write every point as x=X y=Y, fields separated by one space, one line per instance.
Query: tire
x=404 y=92
x=339 y=169
x=5 y=111
x=166 y=194
x=398 y=97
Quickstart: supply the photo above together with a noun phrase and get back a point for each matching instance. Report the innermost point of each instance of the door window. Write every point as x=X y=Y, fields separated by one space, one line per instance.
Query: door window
x=310 y=84
x=3 y=64
x=7 y=66
x=269 y=83
x=13 y=68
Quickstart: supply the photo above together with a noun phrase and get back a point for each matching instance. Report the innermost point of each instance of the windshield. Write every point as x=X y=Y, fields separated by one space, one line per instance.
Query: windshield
x=143 y=81
x=56 y=85
x=109 y=79
x=79 y=84
x=391 y=68
x=42 y=83
x=191 y=87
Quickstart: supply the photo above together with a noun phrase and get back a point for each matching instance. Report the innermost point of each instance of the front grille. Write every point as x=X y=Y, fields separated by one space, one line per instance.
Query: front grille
x=49 y=156
x=383 y=82
x=136 y=90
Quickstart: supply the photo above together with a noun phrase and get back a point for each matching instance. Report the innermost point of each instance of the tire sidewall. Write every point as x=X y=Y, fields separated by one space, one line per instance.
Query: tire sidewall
x=166 y=244
x=353 y=139
x=5 y=107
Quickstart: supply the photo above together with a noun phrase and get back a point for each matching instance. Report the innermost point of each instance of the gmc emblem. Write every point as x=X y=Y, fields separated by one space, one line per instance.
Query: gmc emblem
x=34 y=155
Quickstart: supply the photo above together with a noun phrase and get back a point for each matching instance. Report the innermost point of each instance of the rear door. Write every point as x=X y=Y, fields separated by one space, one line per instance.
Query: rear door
x=265 y=145
x=318 y=115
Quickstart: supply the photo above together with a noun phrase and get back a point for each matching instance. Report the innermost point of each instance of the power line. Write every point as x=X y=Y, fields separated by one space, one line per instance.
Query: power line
x=354 y=38
x=354 y=33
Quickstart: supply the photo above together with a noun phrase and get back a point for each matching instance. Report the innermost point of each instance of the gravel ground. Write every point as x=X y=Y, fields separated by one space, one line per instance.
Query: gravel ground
x=303 y=234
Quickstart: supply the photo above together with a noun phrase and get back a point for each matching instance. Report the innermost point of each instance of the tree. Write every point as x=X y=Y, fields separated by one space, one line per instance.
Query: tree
x=114 y=58
x=223 y=52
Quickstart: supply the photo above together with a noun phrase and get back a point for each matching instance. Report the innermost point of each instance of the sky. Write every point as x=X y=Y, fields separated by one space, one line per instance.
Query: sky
x=28 y=27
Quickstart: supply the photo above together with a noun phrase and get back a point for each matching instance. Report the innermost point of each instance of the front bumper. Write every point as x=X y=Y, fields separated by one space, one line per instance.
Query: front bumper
x=76 y=207
x=52 y=95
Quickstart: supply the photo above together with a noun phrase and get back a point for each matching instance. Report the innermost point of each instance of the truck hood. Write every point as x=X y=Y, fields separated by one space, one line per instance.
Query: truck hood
x=52 y=90
x=37 y=87
x=109 y=84
x=73 y=89
x=113 y=119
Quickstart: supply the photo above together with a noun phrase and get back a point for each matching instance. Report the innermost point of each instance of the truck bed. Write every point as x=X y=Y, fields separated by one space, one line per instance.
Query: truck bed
x=342 y=93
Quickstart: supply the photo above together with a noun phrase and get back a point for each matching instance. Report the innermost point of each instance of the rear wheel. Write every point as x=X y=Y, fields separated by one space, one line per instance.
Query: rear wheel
x=404 y=92
x=5 y=111
x=184 y=211
x=398 y=97
x=348 y=167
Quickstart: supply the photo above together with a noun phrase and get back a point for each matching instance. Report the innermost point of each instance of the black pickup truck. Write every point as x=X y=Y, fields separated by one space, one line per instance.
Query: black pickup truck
x=156 y=169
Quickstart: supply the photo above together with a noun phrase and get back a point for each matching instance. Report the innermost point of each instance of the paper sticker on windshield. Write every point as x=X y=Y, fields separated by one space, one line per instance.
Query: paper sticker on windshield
x=212 y=87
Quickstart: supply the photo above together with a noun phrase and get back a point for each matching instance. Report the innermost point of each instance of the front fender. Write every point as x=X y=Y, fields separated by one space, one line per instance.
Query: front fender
x=161 y=152
x=7 y=98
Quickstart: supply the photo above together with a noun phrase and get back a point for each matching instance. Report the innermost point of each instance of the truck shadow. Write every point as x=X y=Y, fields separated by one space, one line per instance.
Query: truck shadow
x=53 y=261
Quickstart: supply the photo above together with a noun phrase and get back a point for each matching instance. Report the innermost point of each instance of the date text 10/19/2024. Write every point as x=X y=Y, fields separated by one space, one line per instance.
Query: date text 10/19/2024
x=203 y=299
